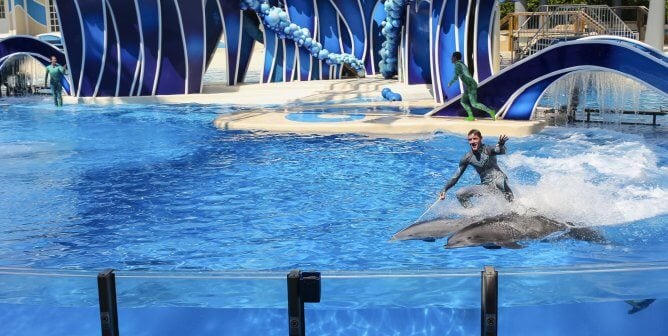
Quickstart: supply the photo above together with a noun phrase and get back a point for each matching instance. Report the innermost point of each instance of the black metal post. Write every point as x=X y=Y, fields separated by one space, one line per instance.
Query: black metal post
x=489 y=301
x=106 y=290
x=302 y=287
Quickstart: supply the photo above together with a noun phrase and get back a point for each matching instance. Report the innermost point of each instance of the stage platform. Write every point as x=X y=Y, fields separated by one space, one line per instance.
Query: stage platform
x=330 y=107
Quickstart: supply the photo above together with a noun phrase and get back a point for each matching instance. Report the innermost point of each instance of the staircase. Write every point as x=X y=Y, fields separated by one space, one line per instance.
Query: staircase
x=531 y=32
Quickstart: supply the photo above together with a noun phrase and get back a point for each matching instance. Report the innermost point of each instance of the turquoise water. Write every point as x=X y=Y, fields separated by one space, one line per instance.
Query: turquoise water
x=159 y=189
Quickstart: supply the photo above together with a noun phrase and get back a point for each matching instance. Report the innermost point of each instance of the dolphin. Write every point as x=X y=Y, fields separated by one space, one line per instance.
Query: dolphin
x=506 y=230
x=639 y=305
x=433 y=229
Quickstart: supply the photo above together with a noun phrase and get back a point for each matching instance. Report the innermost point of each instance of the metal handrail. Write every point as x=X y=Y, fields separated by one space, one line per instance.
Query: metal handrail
x=557 y=22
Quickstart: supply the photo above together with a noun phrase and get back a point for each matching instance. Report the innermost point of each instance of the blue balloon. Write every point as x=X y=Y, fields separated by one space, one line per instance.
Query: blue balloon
x=271 y=19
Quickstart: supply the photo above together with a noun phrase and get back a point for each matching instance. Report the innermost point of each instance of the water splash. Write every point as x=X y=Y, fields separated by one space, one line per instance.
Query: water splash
x=608 y=95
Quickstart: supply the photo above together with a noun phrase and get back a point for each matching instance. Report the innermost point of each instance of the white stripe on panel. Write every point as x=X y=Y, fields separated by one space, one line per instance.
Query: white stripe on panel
x=105 y=45
x=118 y=49
x=183 y=42
x=158 y=65
x=83 y=46
x=67 y=59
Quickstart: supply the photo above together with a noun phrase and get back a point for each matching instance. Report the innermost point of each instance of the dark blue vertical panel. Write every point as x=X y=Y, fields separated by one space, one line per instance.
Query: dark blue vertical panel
x=462 y=22
x=70 y=27
x=351 y=13
x=346 y=41
x=172 y=76
x=247 y=43
x=483 y=65
x=277 y=75
x=232 y=23
x=214 y=29
x=270 y=53
x=94 y=31
x=107 y=85
x=128 y=31
x=149 y=13
x=376 y=36
x=328 y=35
x=302 y=13
x=418 y=62
x=192 y=14
x=446 y=46
x=290 y=59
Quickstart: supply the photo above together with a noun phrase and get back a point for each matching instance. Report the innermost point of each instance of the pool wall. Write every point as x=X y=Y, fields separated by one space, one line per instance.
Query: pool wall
x=562 y=301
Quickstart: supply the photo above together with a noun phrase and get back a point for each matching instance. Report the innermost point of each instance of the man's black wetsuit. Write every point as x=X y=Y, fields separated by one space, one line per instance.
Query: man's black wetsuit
x=491 y=176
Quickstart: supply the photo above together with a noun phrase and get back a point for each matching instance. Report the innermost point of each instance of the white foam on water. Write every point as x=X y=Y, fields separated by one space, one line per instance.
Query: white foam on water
x=586 y=177
x=596 y=185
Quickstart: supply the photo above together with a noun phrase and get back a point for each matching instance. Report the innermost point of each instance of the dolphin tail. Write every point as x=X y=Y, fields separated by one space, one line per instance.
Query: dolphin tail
x=639 y=305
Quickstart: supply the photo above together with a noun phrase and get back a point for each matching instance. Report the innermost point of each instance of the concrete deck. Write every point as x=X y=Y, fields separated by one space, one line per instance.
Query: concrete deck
x=279 y=107
x=379 y=125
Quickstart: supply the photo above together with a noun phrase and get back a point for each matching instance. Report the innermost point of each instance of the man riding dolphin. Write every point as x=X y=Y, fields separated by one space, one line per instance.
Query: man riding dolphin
x=483 y=159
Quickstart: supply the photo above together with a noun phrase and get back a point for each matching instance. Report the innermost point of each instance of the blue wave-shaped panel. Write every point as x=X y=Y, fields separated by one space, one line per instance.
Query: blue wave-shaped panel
x=417 y=61
x=516 y=90
x=302 y=13
x=484 y=14
x=129 y=43
x=38 y=49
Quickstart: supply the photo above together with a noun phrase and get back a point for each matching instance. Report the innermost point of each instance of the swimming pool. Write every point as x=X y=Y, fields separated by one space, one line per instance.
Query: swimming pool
x=158 y=189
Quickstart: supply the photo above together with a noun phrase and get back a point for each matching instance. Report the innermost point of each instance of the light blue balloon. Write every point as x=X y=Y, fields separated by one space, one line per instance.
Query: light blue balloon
x=271 y=19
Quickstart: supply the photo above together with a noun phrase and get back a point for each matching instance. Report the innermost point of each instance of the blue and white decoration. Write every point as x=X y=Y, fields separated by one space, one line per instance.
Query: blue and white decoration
x=392 y=32
x=162 y=47
x=38 y=49
x=276 y=19
x=515 y=91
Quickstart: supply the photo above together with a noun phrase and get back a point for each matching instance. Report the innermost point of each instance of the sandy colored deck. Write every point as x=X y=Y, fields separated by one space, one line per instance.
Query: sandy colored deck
x=374 y=125
x=286 y=99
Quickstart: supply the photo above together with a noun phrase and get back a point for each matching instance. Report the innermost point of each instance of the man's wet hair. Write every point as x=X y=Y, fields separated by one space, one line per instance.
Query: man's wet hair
x=476 y=132
x=457 y=55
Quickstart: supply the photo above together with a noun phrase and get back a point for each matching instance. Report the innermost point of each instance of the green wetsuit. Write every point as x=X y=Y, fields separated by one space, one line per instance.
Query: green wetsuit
x=470 y=94
x=491 y=176
x=56 y=74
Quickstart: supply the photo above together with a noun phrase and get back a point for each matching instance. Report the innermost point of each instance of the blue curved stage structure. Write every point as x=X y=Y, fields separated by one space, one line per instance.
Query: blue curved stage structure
x=516 y=90
x=159 y=47
x=31 y=46
x=163 y=47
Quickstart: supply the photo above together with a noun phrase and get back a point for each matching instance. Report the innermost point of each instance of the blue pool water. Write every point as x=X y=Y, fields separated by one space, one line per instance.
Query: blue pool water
x=160 y=189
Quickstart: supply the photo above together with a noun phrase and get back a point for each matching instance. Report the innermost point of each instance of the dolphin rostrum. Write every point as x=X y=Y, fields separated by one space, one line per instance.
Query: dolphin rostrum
x=506 y=230
x=430 y=230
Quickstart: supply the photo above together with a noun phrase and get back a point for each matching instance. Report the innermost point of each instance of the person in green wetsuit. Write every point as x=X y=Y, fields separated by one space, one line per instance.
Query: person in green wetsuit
x=470 y=94
x=56 y=72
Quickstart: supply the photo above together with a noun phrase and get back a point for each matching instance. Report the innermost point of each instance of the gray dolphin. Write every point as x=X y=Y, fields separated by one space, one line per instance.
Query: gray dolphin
x=506 y=230
x=431 y=230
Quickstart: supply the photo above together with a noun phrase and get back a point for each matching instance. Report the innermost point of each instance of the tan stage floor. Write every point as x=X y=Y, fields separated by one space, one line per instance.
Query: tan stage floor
x=370 y=124
x=272 y=107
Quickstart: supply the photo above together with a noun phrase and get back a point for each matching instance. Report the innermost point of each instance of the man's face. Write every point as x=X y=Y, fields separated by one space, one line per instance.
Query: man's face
x=54 y=60
x=474 y=141
x=454 y=60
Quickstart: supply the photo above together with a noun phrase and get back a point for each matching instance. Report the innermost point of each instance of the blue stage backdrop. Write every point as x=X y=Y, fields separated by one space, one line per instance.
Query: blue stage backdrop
x=161 y=47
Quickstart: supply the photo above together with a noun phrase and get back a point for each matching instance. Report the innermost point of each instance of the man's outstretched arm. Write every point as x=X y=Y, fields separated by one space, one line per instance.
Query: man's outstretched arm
x=463 y=163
